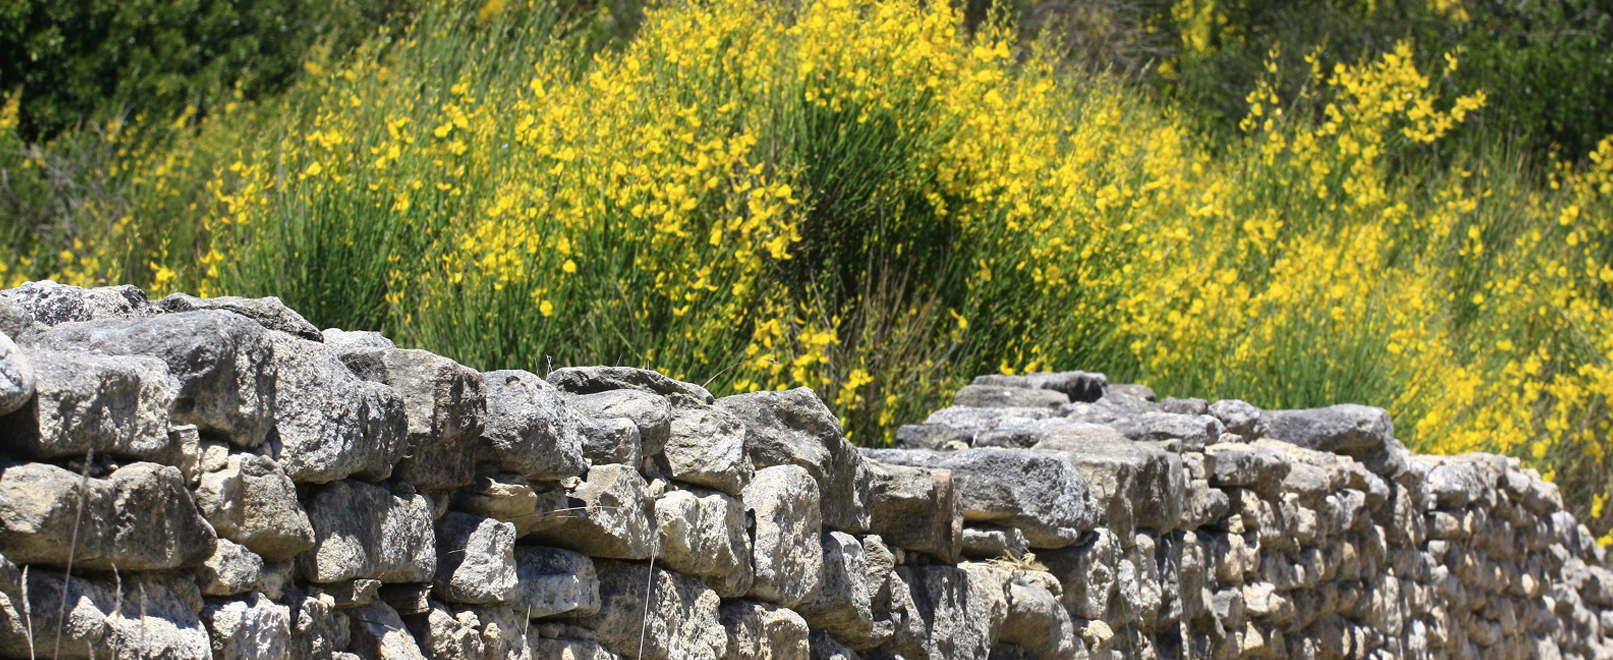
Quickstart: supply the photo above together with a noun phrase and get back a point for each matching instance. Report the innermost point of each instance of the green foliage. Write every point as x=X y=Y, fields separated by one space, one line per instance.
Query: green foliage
x=72 y=60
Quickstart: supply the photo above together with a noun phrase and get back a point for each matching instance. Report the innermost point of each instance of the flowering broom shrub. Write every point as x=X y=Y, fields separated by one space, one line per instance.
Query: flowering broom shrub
x=863 y=198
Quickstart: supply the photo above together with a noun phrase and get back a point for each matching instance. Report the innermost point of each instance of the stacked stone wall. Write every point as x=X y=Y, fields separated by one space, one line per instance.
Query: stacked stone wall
x=217 y=478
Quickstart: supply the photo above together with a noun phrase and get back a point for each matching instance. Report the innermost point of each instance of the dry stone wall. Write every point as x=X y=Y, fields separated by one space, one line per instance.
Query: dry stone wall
x=217 y=478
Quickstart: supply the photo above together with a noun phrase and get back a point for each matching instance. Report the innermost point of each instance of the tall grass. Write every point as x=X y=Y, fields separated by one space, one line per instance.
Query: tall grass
x=864 y=198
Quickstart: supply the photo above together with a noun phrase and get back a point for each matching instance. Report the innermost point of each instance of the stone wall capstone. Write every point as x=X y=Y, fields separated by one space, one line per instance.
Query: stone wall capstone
x=215 y=478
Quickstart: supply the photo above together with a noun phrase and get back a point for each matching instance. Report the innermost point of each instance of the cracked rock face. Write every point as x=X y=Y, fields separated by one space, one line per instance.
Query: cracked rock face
x=675 y=616
x=144 y=618
x=140 y=517
x=115 y=406
x=16 y=376
x=338 y=426
x=530 y=430
x=784 y=501
x=365 y=531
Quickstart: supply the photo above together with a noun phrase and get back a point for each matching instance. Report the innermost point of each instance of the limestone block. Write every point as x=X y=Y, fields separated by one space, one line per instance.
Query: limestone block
x=703 y=533
x=268 y=312
x=138 y=518
x=674 y=616
x=476 y=560
x=763 y=631
x=794 y=427
x=444 y=404
x=784 y=502
x=705 y=446
x=1037 y=492
x=611 y=516
x=529 y=428
x=365 y=531
x=553 y=581
x=250 y=500
x=588 y=380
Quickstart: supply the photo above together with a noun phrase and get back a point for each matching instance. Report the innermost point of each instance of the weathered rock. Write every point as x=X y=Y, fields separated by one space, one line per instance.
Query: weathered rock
x=588 y=380
x=231 y=570
x=113 y=406
x=763 y=631
x=1360 y=432
x=964 y=607
x=1037 y=492
x=224 y=365
x=252 y=628
x=317 y=629
x=610 y=515
x=444 y=406
x=1077 y=385
x=1239 y=417
x=343 y=340
x=365 y=531
x=991 y=396
x=794 y=427
x=933 y=436
x=1245 y=466
x=510 y=498
x=16 y=376
x=1037 y=622
x=331 y=424
x=139 y=518
x=703 y=533
x=826 y=647
x=530 y=430
x=476 y=559
x=565 y=648
x=993 y=542
x=1087 y=573
x=784 y=501
x=705 y=447
x=459 y=632
x=672 y=616
x=986 y=419
x=349 y=594
x=650 y=413
x=552 y=581
x=916 y=509
x=50 y=304
x=1195 y=431
x=843 y=604
x=250 y=500
x=268 y=312
x=141 y=618
x=610 y=440
x=1137 y=484
x=378 y=633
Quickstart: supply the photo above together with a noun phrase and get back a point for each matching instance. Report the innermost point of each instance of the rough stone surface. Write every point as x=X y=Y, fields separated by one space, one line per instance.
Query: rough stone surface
x=138 y=518
x=650 y=413
x=339 y=425
x=530 y=430
x=268 y=312
x=50 y=304
x=145 y=618
x=610 y=515
x=231 y=570
x=674 y=616
x=794 y=427
x=1361 y=432
x=224 y=365
x=16 y=376
x=365 y=531
x=1036 y=492
x=378 y=632
x=113 y=406
x=844 y=601
x=706 y=447
x=552 y=581
x=588 y=380
x=1077 y=385
x=250 y=500
x=443 y=405
x=476 y=562
x=784 y=501
x=702 y=533
x=763 y=631
x=253 y=628
x=917 y=509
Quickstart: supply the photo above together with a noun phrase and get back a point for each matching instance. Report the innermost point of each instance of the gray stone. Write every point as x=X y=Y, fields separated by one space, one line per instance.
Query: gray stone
x=1037 y=622
x=794 y=427
x=251 y=628
x=1239 y=417
x=231 y=570
x=1454 y=484
x=344 y=340
x=763 y=631
x=990 y=396
x=964 y=607
x=1137 y=484
x=331 y=424
x=50 y=304
x=706 y=447
x=553 y=581
x=248 y=499
x=843 y=604
x=993 y=542
x=610 y=440
x=588 y=380
x=268 y=312
x=510 y=498
x=1195 y=431
x=365 y=531
x=672 y=616
x=826 y=647
x=134 y=617
x=444 y=406
x=1360 y=432
x=1190 y=407
x=986 y=419
x=460 y=632
x=650 y=412
x=476 y=559
x=530 y=429
x=349 y=594
x=1245 y=466
x=1077 y=385
x=784 y=502
x=916 y=509
x=138 y=518
x=317 y=628
x=224 y=365
x=113 y=406
x=933 y=436
x=16 y=376
x=1037 y=492
x=1087 y=573
x=378 y=633
x=703 y=533
x=611 y=515
x=562 y=648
